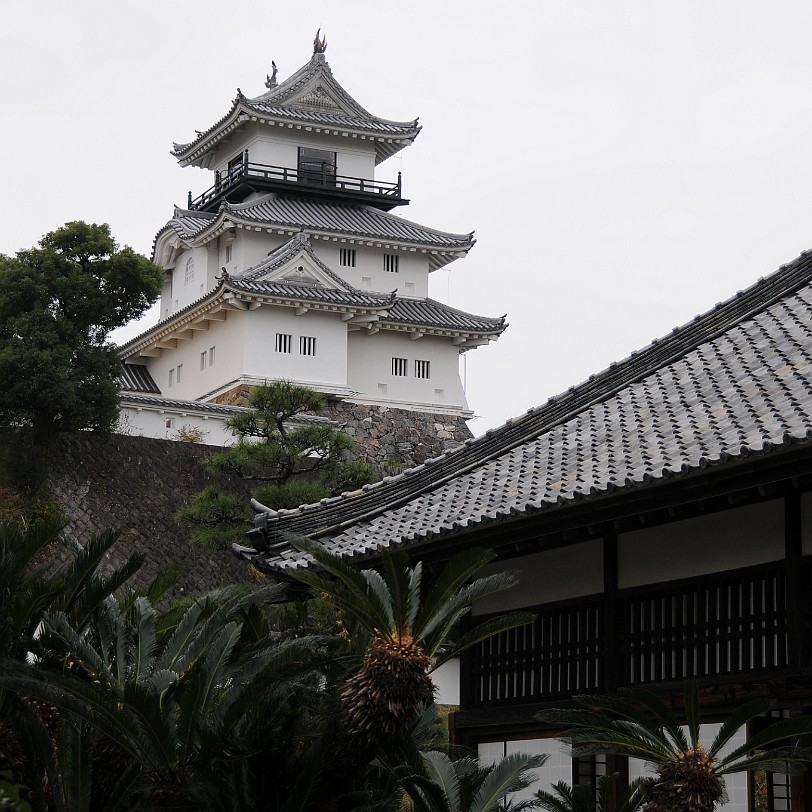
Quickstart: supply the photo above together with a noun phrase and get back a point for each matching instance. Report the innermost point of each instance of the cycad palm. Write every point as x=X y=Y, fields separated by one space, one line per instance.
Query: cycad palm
x=585 y=798
x=689 y=777
x=399 y=635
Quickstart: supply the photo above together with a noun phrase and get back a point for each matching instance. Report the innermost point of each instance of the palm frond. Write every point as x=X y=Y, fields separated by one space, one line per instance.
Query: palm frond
x=511 y=774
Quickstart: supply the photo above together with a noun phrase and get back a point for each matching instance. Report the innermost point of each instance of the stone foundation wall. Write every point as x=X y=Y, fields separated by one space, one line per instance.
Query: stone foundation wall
x=394 y=439
x=138 y=484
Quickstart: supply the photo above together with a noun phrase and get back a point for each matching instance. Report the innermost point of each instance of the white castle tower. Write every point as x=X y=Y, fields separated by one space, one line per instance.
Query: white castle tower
x=291 y=266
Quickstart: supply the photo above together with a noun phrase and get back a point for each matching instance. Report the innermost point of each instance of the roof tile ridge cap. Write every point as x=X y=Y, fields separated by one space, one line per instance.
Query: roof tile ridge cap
x=328 y=504
x=672 y=346
x=287 y=86
x=443 y=306
x=192 y=404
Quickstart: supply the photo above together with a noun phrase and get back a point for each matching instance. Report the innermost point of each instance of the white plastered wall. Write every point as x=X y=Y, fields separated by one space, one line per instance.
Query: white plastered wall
x=226 y=337
x=183 y=292
x=370 y=369
x=276 y=145
x=729 y=539
x=327 y=368
x=411 y=279
x=554 y=575
x=170 y=423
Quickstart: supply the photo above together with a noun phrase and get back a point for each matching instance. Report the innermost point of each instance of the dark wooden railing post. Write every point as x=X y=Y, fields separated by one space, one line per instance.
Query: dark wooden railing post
x=189 y=204
x=399 y=186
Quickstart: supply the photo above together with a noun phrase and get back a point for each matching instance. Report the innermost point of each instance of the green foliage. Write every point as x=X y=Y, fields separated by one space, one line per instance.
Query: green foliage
x=288 y=464
x=605 y=797
x=217 y=518
x=58 y=303
x=689 y=776
x=11 y=794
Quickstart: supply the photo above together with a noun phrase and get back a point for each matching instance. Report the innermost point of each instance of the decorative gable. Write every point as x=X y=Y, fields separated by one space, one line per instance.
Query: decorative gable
x=300 y=269
x=317 y=98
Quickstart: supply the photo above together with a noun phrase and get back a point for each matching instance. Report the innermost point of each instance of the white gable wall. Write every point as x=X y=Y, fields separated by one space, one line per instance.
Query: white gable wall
x=370 y=368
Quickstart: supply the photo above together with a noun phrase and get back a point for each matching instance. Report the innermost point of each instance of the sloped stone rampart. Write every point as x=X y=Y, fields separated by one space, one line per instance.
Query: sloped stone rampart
x=137 y=485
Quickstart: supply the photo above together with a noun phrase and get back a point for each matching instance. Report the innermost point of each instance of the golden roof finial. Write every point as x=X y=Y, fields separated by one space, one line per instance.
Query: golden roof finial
x=319 y=45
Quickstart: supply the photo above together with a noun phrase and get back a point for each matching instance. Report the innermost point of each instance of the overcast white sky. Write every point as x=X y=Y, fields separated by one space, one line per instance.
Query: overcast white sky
x=625 y=165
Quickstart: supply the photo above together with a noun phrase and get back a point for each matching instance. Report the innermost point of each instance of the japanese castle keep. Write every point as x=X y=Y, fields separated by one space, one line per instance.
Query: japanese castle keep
x=292 y=265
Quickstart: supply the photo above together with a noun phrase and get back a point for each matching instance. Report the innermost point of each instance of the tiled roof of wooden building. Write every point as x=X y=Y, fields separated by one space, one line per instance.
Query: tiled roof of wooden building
x=733 y=383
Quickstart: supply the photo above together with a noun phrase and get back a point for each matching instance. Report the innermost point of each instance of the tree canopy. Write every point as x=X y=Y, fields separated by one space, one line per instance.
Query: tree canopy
x=287 y=460
x=58 y=303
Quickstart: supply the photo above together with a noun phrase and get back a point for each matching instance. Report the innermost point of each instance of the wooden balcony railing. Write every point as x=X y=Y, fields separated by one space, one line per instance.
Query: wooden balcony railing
x=313 y=178
x=723 y=625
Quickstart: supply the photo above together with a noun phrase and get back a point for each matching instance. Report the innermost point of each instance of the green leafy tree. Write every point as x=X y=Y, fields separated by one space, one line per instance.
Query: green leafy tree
x=689 y=777
x=285 y=463
x=58 y=303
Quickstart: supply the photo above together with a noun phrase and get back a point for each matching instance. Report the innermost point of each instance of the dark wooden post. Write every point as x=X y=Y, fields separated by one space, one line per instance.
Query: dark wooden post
x=399 y=186
x=793 y=554
x=612 y=658
x=189 y=204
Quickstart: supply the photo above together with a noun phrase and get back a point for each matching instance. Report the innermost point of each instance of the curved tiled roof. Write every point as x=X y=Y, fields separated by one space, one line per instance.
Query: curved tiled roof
x=734 y=382
x=430 y=313
x=325 y=103
x=136 y=378
x=320 y=217
x=314 y=293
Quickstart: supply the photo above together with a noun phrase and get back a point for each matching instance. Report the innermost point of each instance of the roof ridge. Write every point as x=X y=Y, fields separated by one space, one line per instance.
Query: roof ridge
x=498 y=441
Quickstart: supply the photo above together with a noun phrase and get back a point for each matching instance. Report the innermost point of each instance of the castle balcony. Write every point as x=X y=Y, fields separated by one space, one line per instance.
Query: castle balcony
x=310 y=179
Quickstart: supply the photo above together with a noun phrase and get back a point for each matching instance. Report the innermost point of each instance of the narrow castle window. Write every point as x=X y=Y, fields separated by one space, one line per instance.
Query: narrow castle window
x=190 y=270
x=307 y=345
x=391 y=263
x=179 y=373
x=283 y=342
x=211 y=356
x=347 y=257
x=400 y=367
x=422 y=369
x=203 y=359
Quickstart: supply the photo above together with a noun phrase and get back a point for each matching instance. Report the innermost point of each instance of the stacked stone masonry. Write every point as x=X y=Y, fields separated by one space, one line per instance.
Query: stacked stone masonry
x=138 y=484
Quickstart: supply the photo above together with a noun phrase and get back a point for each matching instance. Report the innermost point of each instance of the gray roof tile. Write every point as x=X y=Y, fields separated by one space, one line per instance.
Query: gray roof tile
x=299 y=213
x=285 y=101
x=736 y=381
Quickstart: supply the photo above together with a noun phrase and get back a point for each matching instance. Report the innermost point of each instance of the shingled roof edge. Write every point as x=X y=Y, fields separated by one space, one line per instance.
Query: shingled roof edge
x=397 y=490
